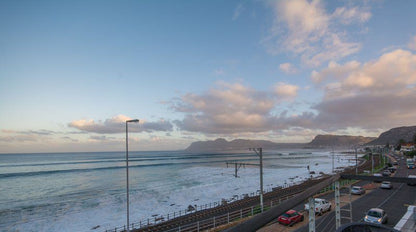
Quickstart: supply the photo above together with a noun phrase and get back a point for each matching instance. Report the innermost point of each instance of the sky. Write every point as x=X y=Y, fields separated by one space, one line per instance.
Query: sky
x=73 y=72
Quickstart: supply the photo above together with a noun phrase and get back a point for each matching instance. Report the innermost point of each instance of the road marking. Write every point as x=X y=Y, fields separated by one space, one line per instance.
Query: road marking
x=388 y=198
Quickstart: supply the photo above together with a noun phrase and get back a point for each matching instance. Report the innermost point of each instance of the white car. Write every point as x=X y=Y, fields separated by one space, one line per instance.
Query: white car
x=413 y=177
x=376 y=215
x=321 y=206
x=386 y=185
x=357 y=190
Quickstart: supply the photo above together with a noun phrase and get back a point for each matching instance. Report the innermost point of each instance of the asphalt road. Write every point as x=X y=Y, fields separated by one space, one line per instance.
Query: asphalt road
x=393 y=201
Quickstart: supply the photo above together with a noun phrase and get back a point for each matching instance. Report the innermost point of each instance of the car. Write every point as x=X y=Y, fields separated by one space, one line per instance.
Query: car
x=290 y=217
x=392 y=169
x=386 y=173
x=357 y=190
x=377 y=175
x=395 y=163
x=376 y=215
x=386 y=185
x=413 y=177
x=321 y=206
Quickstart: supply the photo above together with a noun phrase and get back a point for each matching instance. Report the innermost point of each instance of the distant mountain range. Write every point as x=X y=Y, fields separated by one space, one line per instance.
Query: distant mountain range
x=320 y=141
x=394 y=135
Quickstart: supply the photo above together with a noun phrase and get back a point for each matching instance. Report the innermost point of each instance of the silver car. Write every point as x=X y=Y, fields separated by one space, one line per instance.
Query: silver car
x=376 y=215
x=386 y=185
x=357 y=190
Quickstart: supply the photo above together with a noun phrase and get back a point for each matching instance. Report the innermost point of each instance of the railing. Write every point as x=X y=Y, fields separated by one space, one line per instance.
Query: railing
x=160 y=218
x=219 y=220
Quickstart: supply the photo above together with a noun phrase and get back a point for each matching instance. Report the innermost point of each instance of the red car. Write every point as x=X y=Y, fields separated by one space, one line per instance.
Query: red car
x=290 y=217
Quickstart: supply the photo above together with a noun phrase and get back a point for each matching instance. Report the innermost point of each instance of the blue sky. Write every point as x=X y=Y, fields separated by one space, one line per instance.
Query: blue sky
x=72 y=72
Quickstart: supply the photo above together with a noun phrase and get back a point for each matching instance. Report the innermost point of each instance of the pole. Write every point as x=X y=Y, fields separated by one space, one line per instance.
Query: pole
x=372 y=162
x=311 y=214
x=333 y=159
x=127 y=174
x=261 y=178
x=356 y=162
x=259 y=152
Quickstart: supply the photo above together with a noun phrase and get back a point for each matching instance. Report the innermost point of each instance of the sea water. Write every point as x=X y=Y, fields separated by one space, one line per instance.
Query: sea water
x=83 y=191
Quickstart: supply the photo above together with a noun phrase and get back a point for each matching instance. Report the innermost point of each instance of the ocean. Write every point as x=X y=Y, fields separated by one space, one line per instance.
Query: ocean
x=83 y=191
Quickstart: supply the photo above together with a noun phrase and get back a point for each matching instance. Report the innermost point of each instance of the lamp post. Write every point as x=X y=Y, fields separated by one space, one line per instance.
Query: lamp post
x=127 y=170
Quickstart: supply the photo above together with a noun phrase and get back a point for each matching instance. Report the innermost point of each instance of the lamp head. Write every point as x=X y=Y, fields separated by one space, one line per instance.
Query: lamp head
x=133 y=120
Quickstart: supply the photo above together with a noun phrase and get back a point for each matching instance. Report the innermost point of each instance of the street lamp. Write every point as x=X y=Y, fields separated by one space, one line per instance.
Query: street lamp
x=127 y=169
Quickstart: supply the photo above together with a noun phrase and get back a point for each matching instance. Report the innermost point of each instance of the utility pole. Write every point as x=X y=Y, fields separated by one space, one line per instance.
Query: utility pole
x=259 y=152
x=356 y=162
x=333 y=159
x=237 y=166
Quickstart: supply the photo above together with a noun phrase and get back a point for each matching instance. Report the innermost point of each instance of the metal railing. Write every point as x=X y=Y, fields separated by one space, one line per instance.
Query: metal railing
x=156 y=219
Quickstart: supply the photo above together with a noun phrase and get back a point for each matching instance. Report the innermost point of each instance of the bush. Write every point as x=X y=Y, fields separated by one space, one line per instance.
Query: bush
x=411 y=153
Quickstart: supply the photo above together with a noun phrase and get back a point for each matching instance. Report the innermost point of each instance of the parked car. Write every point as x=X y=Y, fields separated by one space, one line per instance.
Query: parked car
x=321 y=206
x=392 y=169
x=413 y=177
x=386 y=185
x=290 y=217
x=395 y=163
x=376 y=215
x=357 y=190
x=386 y=173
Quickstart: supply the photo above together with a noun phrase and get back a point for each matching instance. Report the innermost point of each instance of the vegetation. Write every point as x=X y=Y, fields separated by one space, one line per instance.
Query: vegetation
x=410 y=154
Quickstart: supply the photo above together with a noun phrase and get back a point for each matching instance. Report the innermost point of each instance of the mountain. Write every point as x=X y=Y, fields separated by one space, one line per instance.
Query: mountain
x=322 y=141
x=393 y=136
x=222 y=145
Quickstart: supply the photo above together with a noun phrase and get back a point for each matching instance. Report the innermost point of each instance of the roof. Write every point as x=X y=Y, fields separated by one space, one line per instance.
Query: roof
x=376 y=209
x=291 y=211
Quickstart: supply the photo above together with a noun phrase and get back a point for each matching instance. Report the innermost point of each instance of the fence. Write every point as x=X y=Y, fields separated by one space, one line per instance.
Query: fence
x=214 y=221
x=161 y=218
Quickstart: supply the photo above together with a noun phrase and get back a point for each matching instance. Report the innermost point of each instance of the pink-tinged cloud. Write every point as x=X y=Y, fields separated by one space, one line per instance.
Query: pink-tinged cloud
x=117 y=125
x=235 y=108
x=306 y=29
x=288 y=68
x=376 y=94
x=412 y=44
x=286 y=91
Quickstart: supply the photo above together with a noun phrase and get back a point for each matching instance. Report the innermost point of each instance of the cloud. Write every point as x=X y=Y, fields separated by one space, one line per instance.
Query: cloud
x=237 y=11
x=366 y=97
x=288 y=68
x=351 y=15
x=26 y=135
x=286 y=91
x=307 y=30
x=235 y=108
x=376 y=94
x=412 y=44
x=117 y=125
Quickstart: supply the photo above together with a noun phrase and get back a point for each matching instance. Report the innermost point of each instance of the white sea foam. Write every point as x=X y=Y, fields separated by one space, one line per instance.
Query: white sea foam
x=193 y=185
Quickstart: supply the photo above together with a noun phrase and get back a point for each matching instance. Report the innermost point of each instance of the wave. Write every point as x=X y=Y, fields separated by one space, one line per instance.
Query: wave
x=131 y=159
x=61 y=171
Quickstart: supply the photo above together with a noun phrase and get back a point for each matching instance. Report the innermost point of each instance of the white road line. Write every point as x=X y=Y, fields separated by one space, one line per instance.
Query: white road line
x=391 y=195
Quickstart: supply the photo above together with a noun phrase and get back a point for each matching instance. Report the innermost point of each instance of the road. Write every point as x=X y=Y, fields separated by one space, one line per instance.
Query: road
x=393 y=201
